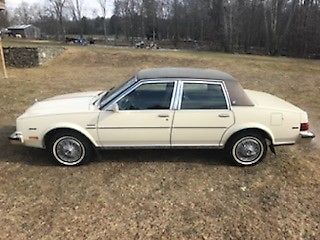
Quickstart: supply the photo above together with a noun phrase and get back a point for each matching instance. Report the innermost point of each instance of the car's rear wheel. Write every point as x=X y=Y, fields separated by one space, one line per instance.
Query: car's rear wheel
x=247 y=148
x=70 y=148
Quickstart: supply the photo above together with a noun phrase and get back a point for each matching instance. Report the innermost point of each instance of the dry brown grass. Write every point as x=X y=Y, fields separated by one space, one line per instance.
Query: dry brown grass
x=141 y=194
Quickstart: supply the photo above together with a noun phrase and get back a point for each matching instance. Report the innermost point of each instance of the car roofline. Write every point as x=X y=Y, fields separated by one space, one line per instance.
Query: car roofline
x=185 y=73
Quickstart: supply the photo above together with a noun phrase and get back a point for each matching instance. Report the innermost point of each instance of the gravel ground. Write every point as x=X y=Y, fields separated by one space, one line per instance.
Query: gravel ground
x=159 y=194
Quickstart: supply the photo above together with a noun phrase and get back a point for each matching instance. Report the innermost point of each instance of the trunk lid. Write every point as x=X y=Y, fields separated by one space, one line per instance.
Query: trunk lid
x=265 y=100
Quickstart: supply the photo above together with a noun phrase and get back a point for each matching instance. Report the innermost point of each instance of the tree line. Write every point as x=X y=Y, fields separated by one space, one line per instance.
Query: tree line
x=273 y=27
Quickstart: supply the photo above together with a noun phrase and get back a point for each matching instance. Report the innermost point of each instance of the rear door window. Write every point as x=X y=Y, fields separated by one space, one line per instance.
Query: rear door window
x=203 y=96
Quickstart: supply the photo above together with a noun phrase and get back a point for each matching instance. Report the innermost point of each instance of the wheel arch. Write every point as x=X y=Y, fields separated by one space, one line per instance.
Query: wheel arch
x=264 y=131
x=51 y=131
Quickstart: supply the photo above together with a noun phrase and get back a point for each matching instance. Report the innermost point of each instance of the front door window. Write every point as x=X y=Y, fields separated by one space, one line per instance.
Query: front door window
x=149 y=96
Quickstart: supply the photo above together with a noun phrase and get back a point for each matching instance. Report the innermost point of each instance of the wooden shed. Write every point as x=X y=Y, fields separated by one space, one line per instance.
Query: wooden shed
x=25 y=31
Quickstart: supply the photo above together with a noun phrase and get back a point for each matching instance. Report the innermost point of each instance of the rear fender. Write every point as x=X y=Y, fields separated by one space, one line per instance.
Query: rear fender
x=237 y=128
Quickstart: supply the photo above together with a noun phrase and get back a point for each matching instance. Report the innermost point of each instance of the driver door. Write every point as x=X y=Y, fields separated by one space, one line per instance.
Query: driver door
x=144 y=117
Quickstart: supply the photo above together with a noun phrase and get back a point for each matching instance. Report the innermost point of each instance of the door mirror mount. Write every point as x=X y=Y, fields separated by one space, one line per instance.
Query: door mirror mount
x=113 y=108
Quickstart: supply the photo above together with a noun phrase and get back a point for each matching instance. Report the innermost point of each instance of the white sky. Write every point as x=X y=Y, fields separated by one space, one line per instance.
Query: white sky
x=89 y=6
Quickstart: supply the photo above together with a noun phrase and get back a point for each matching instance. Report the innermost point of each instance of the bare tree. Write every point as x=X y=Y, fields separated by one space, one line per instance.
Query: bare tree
x=22 y=14
x=149 y=9
x=26 y=13
x=103 y=7
x=58 y=9
x=3 y=19
x=76 y=7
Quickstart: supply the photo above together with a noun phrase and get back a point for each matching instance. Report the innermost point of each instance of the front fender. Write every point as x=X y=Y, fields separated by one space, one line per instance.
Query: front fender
x=237 y=128
x=69 y=126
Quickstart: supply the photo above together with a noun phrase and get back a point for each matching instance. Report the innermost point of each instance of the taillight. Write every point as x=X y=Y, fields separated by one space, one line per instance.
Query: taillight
x=304 y=126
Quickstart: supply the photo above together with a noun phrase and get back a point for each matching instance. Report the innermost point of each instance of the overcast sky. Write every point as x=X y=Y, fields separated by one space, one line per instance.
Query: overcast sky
x=89 y=6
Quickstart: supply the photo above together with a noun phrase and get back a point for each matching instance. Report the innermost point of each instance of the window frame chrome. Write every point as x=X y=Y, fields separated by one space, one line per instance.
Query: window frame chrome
x=177 y=94
x=178 y=101
x=138 y=84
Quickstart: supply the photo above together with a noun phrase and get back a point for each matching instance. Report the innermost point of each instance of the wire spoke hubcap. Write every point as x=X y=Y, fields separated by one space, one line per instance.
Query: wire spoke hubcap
x=69 y=150
x=248 y=149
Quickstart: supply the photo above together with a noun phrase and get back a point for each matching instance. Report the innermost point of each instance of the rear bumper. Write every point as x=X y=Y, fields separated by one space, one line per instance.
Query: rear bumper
x=16 y=138
x=307 y=134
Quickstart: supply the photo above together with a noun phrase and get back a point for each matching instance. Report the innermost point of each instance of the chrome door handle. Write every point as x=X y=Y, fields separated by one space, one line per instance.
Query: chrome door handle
x=224 y=115
x=163 y=115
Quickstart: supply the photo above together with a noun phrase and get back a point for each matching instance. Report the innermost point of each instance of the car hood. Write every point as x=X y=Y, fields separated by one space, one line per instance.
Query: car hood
x=265 y=100
x=68 y=103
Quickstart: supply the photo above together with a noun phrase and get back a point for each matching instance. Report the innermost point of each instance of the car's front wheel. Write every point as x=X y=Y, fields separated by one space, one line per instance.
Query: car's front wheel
x=70 y=148
x=247 y=148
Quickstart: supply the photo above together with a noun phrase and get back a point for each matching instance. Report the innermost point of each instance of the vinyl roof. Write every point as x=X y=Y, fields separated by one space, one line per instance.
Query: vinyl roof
x=193 y=73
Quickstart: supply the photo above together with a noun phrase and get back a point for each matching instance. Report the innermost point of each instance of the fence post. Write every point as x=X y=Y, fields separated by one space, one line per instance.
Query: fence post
x=3 y=60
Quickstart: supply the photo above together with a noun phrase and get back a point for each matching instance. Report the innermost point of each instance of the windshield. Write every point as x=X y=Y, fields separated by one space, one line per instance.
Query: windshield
x=109 y=95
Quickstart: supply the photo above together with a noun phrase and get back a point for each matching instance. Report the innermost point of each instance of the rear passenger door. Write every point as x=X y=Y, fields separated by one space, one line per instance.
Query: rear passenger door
x=202 y=114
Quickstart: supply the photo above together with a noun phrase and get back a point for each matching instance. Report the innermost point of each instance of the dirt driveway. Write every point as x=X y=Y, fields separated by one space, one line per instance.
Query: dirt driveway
x=155 y=194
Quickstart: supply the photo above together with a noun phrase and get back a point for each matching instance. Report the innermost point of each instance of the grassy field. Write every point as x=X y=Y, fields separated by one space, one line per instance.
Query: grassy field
x=155 y=194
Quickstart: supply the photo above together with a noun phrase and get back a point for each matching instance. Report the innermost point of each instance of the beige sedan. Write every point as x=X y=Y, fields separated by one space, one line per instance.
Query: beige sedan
x=164 y=108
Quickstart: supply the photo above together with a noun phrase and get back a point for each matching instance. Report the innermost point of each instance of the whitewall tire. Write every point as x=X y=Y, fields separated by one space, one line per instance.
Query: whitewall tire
x=247 y=148
x=70 y=148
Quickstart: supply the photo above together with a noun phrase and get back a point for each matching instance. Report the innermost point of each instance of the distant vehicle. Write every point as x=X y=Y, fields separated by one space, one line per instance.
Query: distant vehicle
x=80 y=41
x=140 y=44
x=164 y=108
x=150 y=45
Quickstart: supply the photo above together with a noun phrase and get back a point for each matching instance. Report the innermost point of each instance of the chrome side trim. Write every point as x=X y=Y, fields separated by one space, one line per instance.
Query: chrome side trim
x=200 y=127
x=156 y=128
x=91 y=126
x=283 y=143
x=134 y=127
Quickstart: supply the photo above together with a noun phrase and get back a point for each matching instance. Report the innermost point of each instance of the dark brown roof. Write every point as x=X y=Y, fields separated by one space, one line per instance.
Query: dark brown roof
x=237 y=95
x=193 y=73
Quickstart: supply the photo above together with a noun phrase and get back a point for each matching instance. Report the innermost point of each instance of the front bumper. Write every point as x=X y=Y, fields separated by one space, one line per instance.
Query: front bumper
x=307 y=134
x=16 y=138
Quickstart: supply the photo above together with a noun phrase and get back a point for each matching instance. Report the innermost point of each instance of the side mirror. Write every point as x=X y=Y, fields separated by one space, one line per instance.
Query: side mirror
x=114 y=108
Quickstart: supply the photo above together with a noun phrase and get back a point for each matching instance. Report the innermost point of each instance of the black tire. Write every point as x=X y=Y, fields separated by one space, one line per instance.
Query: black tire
x=80 y=148
x=247 y=148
